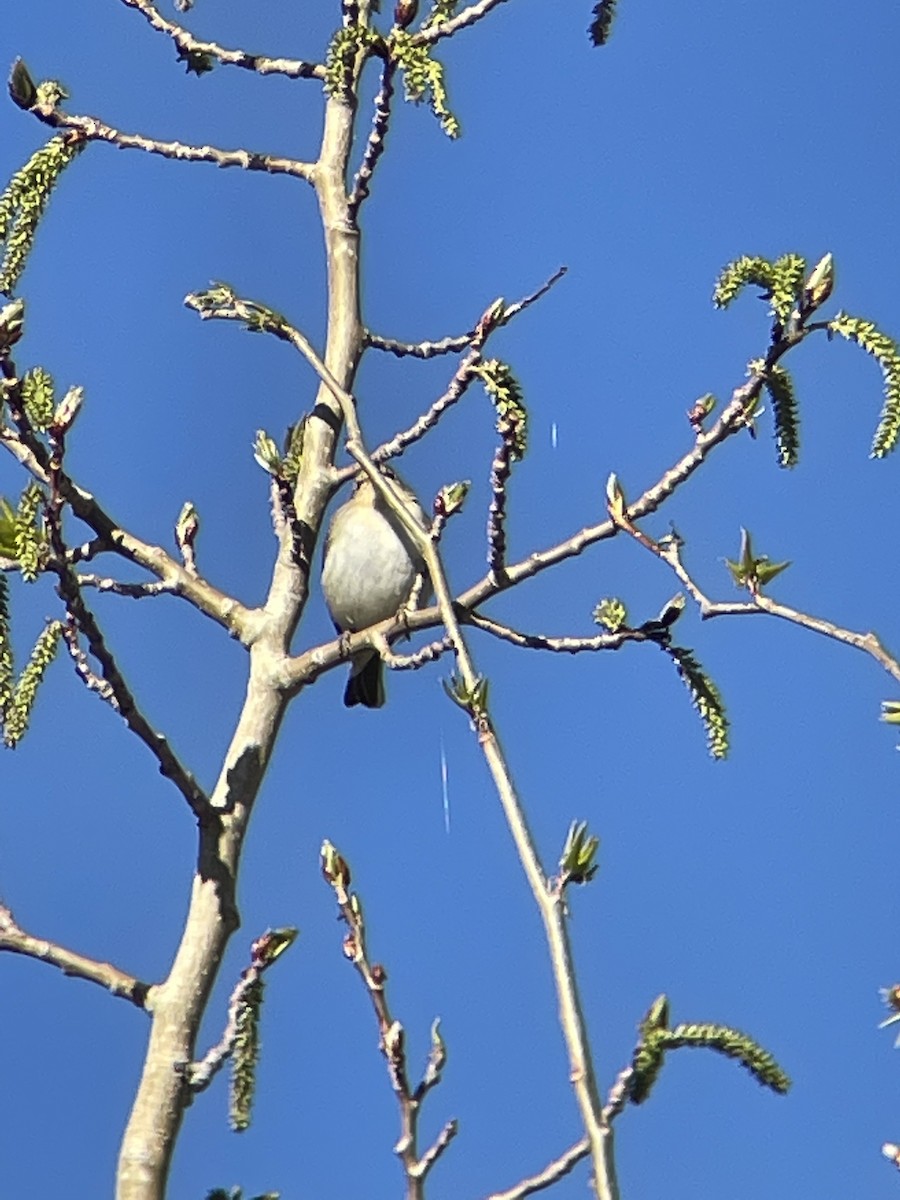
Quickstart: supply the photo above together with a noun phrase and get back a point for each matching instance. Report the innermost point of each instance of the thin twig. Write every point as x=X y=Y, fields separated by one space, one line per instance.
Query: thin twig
x=191 y=46
x=437 y=1148
x=411 y=662
x=469 y=16
x=459 y=342
x=501 y=469
x=137 y=591
x=447 y=345
x=551 y=1173
x=392 y=1037
x=118 y=983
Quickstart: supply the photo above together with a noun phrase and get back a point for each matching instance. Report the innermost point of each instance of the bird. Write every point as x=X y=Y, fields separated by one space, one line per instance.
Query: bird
x=369 y=568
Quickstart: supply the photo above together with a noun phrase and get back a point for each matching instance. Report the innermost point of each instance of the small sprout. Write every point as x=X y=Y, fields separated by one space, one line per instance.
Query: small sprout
x=489 y=319
x=335 y=868
x=473 y=700
x=578 y=861
x=820 y=284
x=50 y=92
x=272 y=944
x=700 y=410
x=615 y=498
x=266 y=453
x=67 y=410
x=753 y=571
x=451 y=498
x=611 y=613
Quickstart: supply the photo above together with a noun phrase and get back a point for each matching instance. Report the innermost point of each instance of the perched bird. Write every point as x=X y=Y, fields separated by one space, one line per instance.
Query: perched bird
x=369 y=570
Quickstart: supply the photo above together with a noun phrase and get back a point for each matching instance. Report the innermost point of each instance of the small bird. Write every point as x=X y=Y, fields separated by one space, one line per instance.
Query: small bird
x=369 y=569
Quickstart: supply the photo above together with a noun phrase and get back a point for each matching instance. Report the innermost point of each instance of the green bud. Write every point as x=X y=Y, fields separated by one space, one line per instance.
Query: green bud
x=266 y=453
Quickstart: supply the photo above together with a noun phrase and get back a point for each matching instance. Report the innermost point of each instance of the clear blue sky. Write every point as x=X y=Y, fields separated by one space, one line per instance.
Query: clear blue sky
x=761 y=892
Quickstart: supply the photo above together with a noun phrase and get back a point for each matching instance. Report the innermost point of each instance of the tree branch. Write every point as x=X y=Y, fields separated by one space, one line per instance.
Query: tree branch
x=118 y=983
x=376 y=142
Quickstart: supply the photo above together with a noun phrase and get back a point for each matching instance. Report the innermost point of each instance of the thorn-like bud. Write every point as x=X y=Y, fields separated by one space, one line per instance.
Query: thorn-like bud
x=820 y=283
x=672 y=610
x=405 y=12
x=12 y=324
x=186 y=528
x=22 y=88
x=394 y=1038
x=335 y=868
x=67 y=410
x=615 y=497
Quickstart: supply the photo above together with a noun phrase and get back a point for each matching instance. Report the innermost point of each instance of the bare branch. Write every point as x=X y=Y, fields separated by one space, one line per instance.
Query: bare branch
x=94 y=130
x=118 y=983
x=189 y=46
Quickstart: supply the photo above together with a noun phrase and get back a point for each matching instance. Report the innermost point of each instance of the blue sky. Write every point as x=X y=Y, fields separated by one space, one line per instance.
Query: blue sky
x=760 y=892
